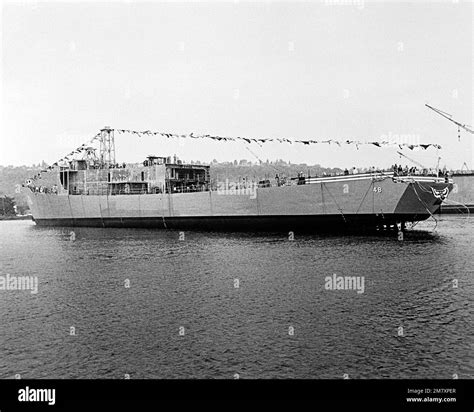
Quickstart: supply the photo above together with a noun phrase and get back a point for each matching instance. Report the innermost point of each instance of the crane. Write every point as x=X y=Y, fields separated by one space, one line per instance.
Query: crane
x=460 y=126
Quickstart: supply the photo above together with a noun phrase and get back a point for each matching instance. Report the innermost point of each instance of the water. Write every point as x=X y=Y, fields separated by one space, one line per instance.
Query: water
x=191 y=283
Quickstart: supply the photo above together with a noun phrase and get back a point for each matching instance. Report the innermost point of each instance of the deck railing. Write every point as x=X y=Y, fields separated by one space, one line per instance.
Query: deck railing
x=103 y=188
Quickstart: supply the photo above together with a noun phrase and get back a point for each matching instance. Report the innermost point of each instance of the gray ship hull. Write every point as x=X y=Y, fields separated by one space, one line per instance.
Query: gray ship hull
x=342 y=202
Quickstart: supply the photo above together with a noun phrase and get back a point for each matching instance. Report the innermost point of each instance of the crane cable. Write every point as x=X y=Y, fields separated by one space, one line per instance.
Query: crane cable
x=450 y=118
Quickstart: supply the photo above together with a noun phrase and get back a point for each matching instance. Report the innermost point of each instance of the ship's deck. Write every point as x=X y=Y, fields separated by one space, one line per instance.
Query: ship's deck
x=377 y=175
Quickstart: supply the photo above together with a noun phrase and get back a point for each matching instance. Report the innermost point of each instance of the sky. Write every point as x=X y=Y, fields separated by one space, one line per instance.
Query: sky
x=330 y=69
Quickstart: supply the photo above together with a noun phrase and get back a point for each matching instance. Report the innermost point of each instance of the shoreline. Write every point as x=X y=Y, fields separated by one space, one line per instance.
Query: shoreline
x=27 y=217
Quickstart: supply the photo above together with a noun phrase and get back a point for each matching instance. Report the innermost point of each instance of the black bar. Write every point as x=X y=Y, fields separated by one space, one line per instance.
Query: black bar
x=456 y=394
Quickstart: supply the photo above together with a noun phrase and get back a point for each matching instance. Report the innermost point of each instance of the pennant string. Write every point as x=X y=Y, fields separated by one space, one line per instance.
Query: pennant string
x=258 y=141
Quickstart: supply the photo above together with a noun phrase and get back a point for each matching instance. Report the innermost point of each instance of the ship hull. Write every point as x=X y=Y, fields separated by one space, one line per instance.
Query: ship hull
x=325 y=204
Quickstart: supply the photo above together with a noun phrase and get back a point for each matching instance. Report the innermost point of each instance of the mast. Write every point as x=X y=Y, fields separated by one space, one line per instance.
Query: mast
x=107 y=146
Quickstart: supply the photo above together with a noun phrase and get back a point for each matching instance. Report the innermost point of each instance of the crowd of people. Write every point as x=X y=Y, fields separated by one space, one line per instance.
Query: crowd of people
x=98 y=165
x=398 y=170
x=355 y=170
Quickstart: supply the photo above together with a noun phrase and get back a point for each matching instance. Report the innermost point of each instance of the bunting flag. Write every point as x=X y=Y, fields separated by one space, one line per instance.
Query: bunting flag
x=357 y=143
x=55 y=164
x=249 y=140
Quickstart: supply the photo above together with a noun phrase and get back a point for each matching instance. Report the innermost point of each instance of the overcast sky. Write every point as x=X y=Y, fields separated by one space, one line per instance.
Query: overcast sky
x=334 y=69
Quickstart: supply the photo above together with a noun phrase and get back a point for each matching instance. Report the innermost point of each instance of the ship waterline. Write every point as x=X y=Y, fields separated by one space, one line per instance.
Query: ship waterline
x=370 y=200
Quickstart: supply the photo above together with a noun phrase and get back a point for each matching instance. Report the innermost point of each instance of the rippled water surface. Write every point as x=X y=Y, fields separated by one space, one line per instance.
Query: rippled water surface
x=191 y=284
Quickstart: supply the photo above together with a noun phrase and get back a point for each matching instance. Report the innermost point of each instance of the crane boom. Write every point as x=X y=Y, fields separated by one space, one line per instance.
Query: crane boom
x=411 y=160
x=449 y=117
